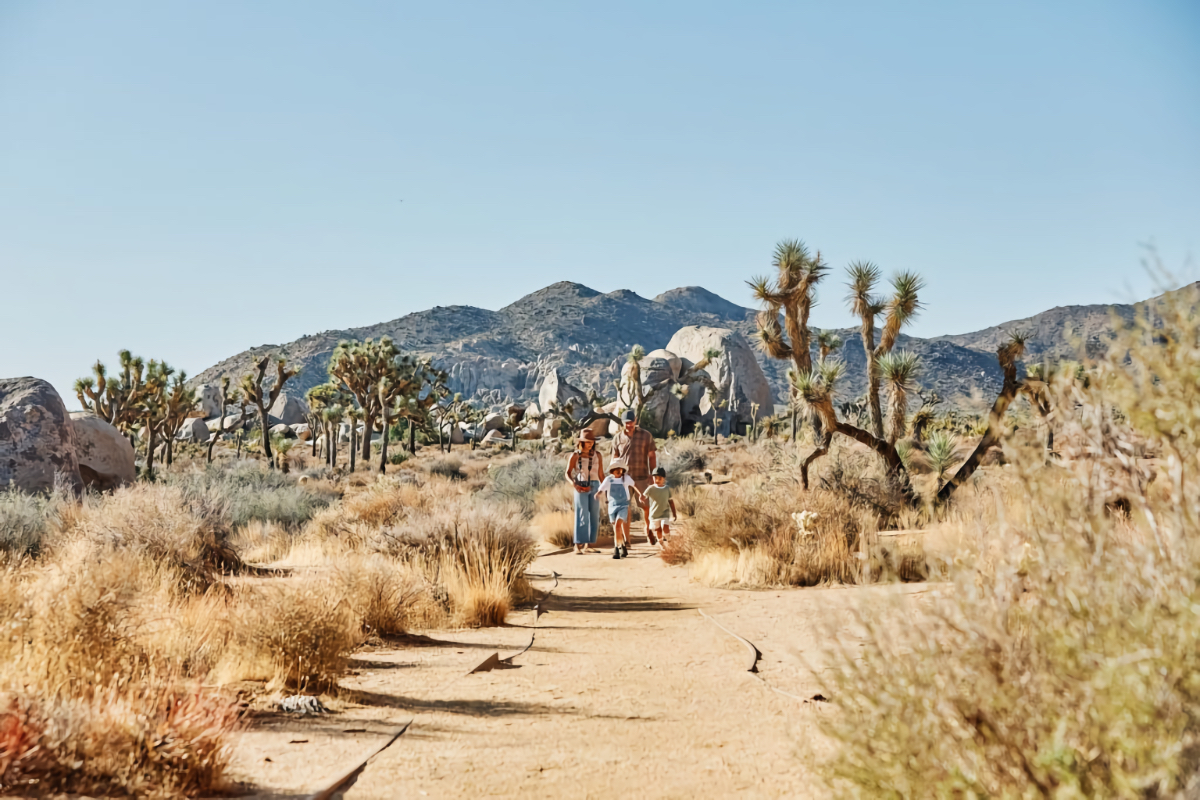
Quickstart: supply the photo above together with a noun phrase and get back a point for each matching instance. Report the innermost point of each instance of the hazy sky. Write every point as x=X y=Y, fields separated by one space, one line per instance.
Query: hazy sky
x=190 y=179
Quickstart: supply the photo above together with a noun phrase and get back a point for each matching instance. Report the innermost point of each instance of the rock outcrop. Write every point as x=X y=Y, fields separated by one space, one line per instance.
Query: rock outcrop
x=738 y=377
x=289 y=410
x=37 y=439
x=208 y=399
x=556 y=390
x=193 y=430
x=105 y=456
x=659 y=370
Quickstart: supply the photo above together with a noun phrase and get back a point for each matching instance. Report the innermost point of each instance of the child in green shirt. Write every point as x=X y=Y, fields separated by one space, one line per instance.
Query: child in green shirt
x=661 y=506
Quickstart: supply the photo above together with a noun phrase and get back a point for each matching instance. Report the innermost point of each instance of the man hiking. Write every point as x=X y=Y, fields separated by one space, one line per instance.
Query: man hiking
x=636 y=446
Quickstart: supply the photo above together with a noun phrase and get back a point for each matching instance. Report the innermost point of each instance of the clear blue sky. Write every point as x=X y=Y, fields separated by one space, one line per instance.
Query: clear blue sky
x=190 y=179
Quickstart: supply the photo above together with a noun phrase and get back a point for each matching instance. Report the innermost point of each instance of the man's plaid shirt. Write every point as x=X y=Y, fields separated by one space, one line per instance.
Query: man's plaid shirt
x=636 y=451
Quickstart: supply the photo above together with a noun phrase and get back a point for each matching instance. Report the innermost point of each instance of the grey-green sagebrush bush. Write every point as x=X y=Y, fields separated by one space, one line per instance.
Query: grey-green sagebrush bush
x=246 y=492
x=1065 y=661
x=520 y=479
x=25 y=519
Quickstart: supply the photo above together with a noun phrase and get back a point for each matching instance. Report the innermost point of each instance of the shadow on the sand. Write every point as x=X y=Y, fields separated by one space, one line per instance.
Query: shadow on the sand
x=614 y=605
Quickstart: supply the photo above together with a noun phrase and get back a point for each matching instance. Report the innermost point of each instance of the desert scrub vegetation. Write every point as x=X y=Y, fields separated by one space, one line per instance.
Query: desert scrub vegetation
x=129 y=617
x=468 y=551
x=245 y=492
x=1064 y=660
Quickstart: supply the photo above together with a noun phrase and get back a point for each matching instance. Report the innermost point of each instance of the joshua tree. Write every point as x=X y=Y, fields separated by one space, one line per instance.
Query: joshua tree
x=180 y=402
x=332 y=417
x=361 y=368
x=321 y=397
x=942 y=452
x=900 y=370
x=827 y=342
x=153 y=408
x=116 y=400
x=227 y=396
x=263 y=399
x=355 y=415
x=1007 y=354
x=900 y=308
x=793 y=292
x=282 y=447
x=407 y=390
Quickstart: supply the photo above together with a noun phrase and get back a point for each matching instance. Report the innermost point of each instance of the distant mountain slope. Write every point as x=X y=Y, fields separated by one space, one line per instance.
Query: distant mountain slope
x=495 y=355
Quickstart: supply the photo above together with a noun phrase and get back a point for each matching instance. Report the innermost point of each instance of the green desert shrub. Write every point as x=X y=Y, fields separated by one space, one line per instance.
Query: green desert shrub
x=248 y=492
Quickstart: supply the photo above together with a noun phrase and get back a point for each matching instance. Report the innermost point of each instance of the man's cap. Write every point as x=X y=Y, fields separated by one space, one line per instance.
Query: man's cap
x=629 y=416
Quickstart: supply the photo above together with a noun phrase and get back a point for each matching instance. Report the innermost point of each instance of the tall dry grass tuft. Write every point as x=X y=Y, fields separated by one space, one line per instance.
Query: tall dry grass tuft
x=747 y=536
x=1064 y=662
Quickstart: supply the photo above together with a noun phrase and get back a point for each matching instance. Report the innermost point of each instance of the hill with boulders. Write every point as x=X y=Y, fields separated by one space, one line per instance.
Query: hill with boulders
x=497 y=356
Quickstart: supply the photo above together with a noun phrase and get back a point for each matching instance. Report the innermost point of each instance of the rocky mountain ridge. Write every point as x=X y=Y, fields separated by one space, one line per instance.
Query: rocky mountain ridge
x=494 y=356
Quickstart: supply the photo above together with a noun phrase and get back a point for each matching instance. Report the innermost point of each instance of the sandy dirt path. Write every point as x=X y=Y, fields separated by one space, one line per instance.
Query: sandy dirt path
x=627 y=692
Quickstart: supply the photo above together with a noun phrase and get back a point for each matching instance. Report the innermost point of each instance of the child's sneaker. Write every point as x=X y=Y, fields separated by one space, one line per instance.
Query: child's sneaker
x=624 y=551
x=616 y=551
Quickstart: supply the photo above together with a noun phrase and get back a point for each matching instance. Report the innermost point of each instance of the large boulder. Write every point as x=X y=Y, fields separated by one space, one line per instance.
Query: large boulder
x=283 y=430
x=556 y=390
x=453 y=433
x=494 y=437
x=289 y=410
x=738 y=377
x=302 y=431
x=494 y=422
x=105 y=456
x=193 y=430
x=37 y=439
x=208 y=399
x=659 y=371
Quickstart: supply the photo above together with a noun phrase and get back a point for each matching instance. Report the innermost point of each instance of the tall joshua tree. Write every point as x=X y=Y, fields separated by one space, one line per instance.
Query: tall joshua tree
x=115 y=399
x=180 y=402
x=900 y=309
x=354 y=414
x=227 y=396
x=360 y=367
x=792 y=292
x=899 y=370
x=332 y=415
x=263 y=398
x=153 y=408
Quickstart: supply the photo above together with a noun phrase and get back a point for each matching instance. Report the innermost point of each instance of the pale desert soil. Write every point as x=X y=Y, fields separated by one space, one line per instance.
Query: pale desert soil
x=627 y=692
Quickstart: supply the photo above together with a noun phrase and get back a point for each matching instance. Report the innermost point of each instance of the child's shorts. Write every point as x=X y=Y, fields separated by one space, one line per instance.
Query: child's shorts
x=618 y=513
x=659 y=524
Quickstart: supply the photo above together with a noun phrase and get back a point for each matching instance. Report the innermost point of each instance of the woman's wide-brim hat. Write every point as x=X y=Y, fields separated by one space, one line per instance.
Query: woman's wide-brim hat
x=587 y=436
x=618 y=463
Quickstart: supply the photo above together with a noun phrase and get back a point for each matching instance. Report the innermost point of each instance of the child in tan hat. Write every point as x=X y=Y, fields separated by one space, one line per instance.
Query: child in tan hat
x=619 y=487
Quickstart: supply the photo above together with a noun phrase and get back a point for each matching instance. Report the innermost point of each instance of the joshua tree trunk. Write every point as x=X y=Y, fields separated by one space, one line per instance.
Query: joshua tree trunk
x=239 y=449
x=353 y=443
x=170 y=451
x=266 y=434
x=412 y=438
x=149 y=452
x=220 y=428
x=822 y=449
x=337 y=434
x=368 y=429
x=1008 y=355
x=383 y=443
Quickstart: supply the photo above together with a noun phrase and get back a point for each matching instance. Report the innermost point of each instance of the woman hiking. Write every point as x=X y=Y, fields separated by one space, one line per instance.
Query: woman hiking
x=584 y=471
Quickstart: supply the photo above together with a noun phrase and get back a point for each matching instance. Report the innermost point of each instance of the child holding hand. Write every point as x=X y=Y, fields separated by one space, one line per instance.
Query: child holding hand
x=620 y=489
x=659 y=498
